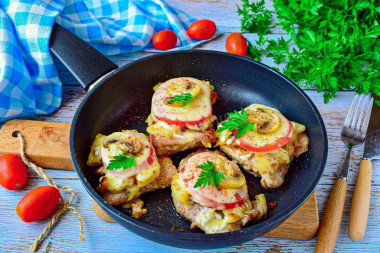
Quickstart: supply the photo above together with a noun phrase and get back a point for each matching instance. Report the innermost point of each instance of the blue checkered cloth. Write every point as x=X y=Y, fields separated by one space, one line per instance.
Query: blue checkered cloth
x=29 y=82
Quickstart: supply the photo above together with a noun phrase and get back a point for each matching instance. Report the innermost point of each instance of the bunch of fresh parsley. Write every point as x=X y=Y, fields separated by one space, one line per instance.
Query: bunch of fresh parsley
x=336 y=42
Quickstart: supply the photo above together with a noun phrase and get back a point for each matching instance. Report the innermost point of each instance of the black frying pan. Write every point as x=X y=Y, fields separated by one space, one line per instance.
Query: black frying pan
x=122 y=100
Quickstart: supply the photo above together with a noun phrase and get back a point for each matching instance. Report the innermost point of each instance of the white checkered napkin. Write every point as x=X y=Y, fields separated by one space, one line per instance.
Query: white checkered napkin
x=29 y=82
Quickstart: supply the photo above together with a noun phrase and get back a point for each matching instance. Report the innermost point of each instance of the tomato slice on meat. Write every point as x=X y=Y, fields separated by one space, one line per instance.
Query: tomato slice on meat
x=240 y=201
x=183 y=123
x=219 y=201
x=143 y=159
x=210 y=196
x=196 y=111
x=258 y=142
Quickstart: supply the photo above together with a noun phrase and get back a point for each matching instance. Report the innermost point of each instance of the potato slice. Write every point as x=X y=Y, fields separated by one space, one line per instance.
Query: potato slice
x=233 y=179
x=181 y=88
x=234 y=182
x=265 y=120
x=180 y=193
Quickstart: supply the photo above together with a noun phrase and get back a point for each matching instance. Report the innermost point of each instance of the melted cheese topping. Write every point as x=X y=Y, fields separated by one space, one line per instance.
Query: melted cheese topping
x=212 y=221
x=125 y=138
x=196 y=110
x=231 y=189
x=148 y=175
x=163 y=129
x=180 y=193
x=263 y=162
x=257 y=139
x=94 y=157
x=208 y=219
x=117 y=184
x=147 y=167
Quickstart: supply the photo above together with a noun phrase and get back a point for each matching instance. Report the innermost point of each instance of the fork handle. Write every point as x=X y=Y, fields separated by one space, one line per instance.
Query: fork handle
x=360 y=202
x=329 y=228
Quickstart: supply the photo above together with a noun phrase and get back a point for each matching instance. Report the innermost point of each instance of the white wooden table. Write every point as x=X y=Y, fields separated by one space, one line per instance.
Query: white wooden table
x=16 y=235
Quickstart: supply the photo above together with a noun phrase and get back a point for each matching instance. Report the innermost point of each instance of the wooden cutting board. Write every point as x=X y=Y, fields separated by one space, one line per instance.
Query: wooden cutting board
x=47 y=144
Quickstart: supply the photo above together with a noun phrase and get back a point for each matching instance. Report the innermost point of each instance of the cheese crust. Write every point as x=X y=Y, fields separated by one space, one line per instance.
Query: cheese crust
x=124 y=186
x=208 y=219
x=270 y=166
x=174 y=129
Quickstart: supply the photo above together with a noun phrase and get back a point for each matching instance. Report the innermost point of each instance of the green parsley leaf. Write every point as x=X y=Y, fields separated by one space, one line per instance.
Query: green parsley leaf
x=124 y=161
x=236 y=121
x=187 y=97
x=254 y=52
x=335 y=48
x=255 y=17
x=209 y=175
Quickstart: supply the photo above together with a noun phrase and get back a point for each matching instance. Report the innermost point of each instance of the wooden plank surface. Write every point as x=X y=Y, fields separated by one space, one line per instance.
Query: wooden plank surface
x=46 y=143
x=302 y=224
x=17 y=236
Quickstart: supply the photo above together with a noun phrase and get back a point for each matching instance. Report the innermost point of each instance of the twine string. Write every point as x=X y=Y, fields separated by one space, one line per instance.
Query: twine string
x=66 y=205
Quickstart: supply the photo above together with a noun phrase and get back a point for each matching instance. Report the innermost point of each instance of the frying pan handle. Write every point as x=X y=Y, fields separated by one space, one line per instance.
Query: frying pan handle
x=85 y=62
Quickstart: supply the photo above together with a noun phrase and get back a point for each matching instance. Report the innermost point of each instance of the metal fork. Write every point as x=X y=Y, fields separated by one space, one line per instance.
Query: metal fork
x=353 y=134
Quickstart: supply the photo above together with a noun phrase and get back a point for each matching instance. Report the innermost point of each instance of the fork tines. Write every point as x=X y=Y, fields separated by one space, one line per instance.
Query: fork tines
x=354 y=120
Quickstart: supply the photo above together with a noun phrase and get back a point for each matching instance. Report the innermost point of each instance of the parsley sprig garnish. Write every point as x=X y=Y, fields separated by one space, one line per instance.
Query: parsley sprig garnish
x=187 y=97
x=255 y=17
x=335 y=44
x=209 y=175
x=236 y=121
x=125 y=161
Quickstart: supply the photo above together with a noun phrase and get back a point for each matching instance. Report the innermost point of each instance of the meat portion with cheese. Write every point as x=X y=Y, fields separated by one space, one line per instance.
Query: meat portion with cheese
x=214 y=208
x=181 y=116
x=268 y=150
x=122 y=183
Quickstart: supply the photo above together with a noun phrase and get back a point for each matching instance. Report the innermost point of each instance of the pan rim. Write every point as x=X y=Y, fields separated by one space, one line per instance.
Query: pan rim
x=181 y=236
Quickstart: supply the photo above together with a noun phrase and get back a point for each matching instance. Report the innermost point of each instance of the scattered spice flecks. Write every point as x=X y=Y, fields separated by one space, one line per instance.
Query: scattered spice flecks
x=272 y=204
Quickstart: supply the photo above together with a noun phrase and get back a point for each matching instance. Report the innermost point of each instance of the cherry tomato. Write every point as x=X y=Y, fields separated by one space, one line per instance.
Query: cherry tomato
x=38 y=203
x=164 y=40
x=236 y=44
x=12 y=172
x=202 y=29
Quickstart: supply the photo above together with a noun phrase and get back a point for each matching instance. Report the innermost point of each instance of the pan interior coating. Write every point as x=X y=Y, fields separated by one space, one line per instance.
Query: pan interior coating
x=123 y=101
